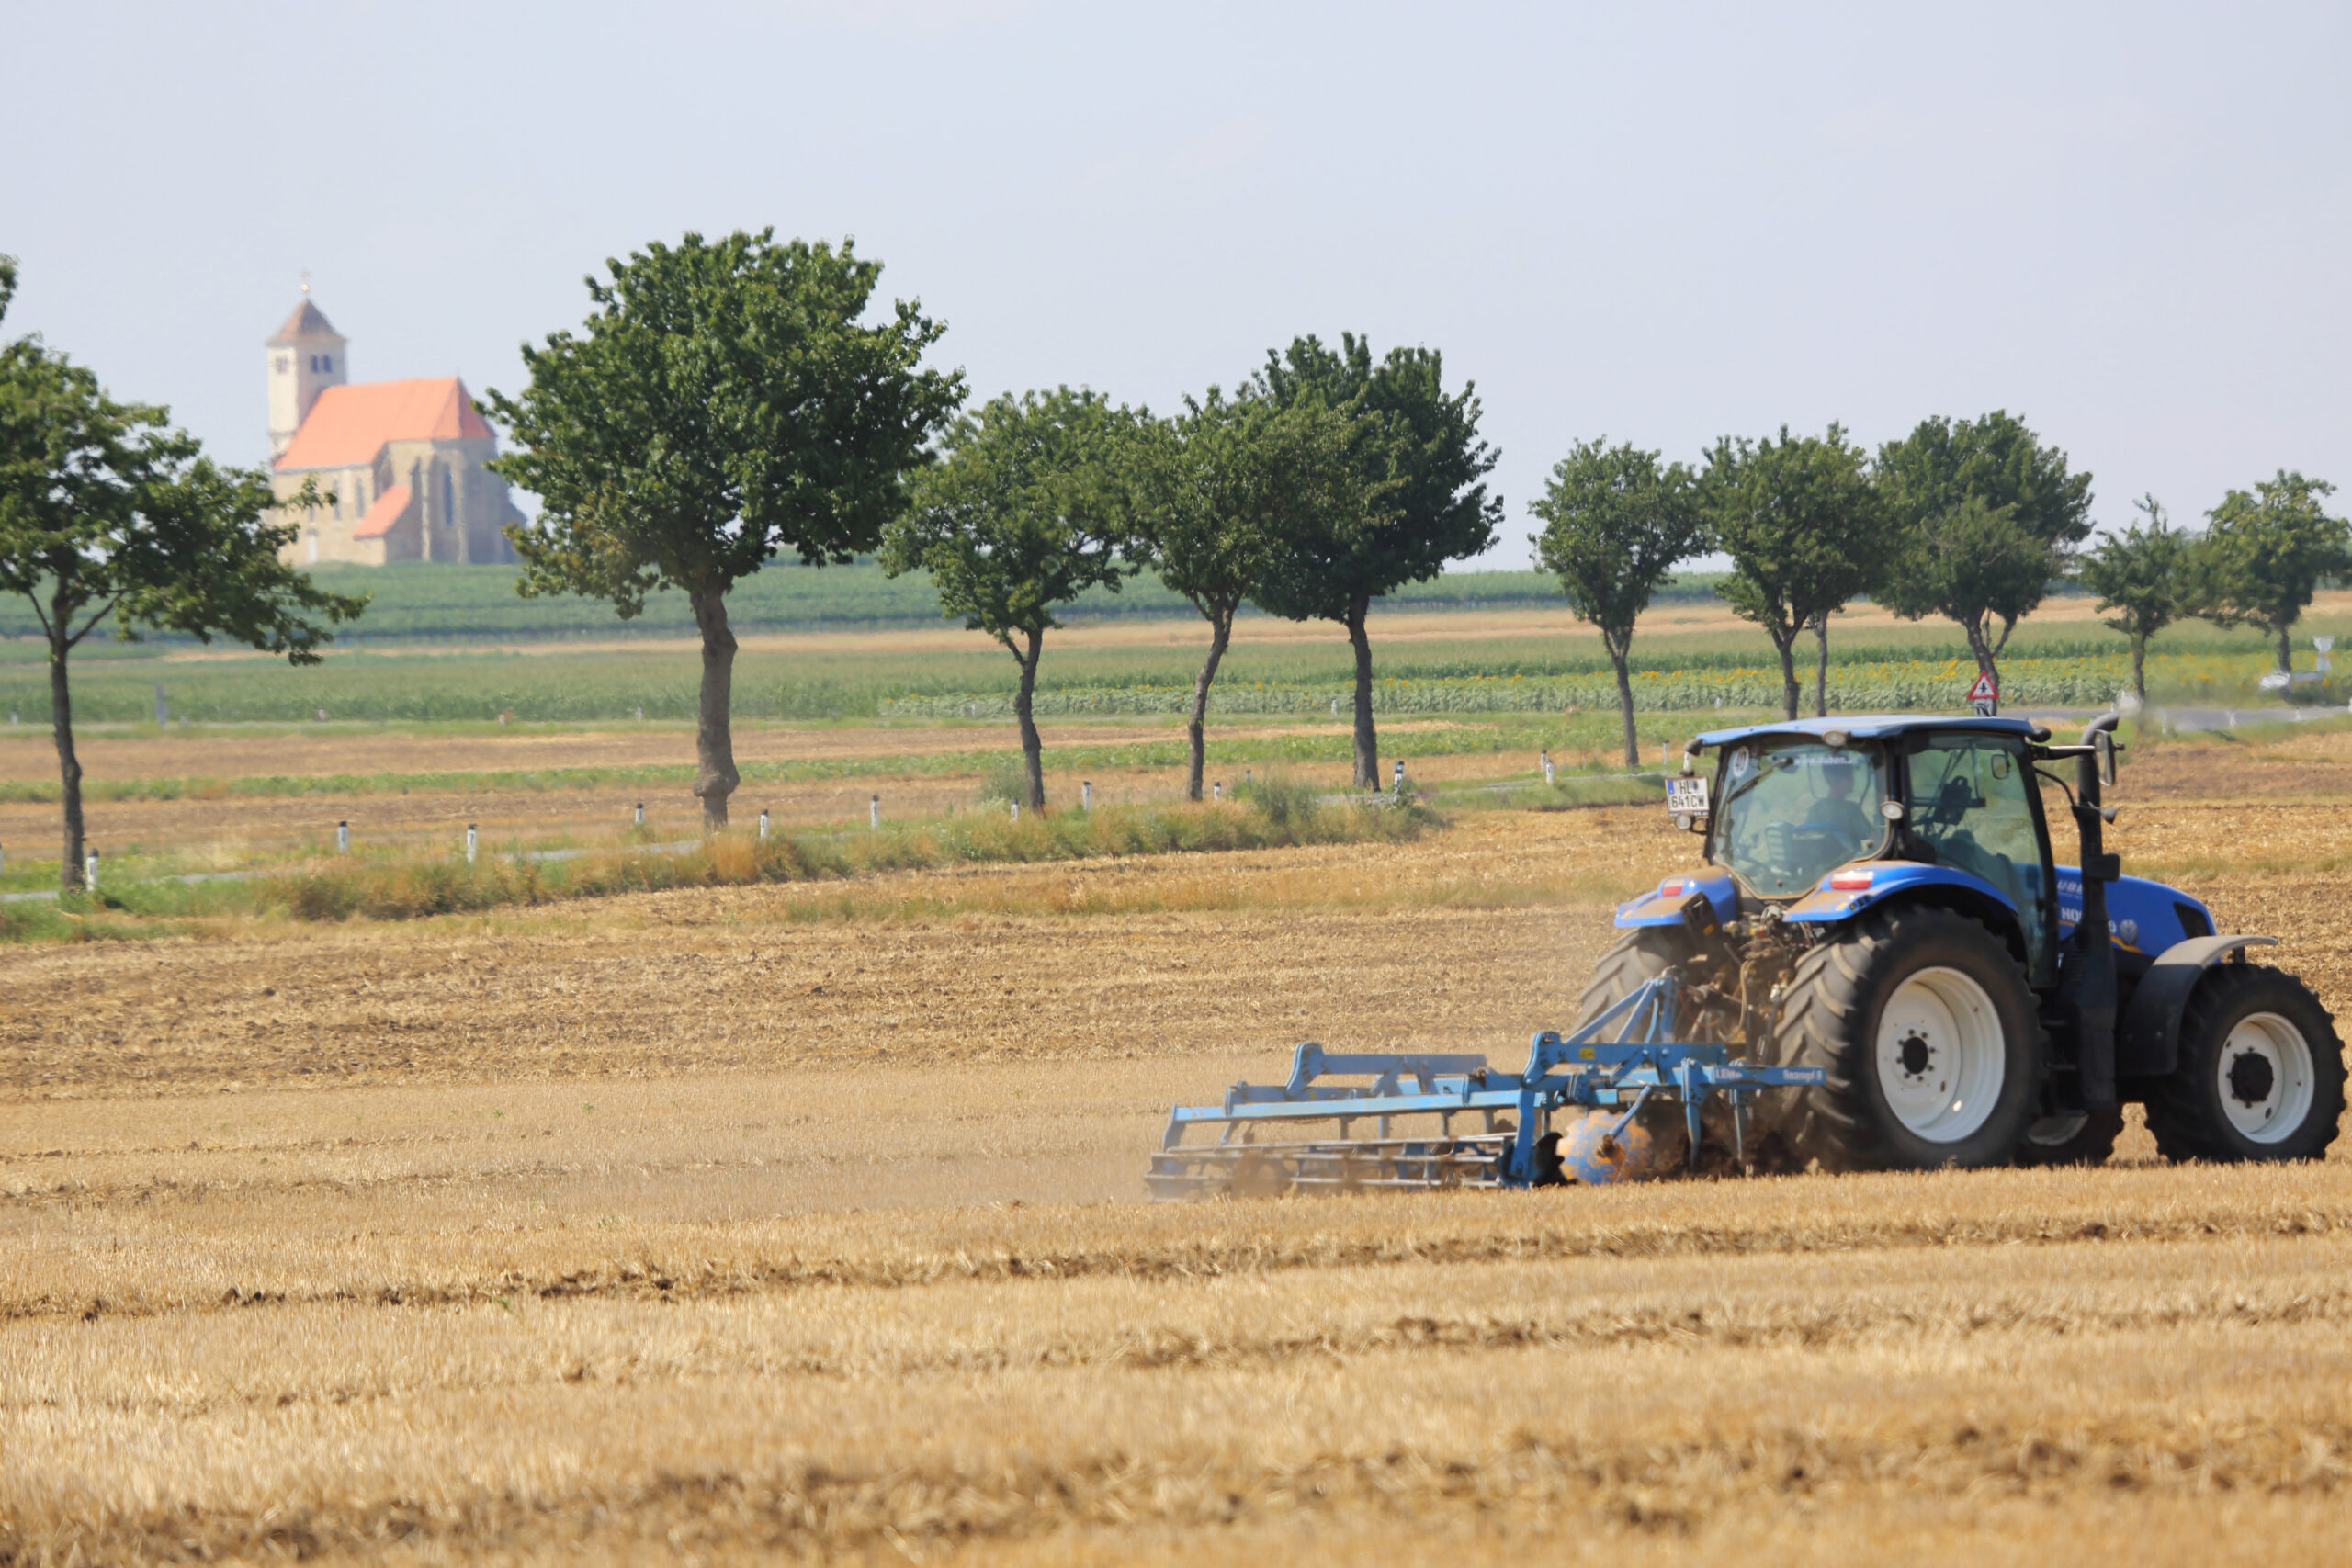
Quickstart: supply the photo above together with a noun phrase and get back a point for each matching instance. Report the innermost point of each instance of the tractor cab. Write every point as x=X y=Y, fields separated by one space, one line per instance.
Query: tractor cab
x=1820 y=819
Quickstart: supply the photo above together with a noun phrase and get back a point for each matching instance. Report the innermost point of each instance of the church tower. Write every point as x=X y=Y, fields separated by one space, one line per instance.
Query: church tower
x=305 y=359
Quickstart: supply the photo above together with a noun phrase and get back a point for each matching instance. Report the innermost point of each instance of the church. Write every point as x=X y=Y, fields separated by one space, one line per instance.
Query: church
x=403 y=459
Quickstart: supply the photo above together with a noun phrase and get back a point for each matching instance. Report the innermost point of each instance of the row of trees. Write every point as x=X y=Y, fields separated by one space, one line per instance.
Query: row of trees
x=1975 y=521
x=730 y=401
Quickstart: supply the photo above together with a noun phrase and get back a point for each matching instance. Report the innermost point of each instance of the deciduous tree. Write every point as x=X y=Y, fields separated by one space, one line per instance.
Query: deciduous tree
x=1219 y=489
x=1801 y=522
x=1025 y=512
x=2265 y=554
x=2143 y=575
x=724 y=403
x=1614 y=524
x=110 y=517
x=1418 y=451
x=1986 y=518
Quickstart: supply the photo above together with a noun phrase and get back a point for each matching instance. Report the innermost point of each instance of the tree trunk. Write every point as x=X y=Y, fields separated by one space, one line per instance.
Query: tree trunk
x=1618 y=651
x=1196 y=721
x=2285 y=653
x=1032 y=750
x=1791 y=694
x=1821 y=666
x=1367 y=742
x=2140 y=667
x=1982 y=650
x=69 y=766
x=715 y=774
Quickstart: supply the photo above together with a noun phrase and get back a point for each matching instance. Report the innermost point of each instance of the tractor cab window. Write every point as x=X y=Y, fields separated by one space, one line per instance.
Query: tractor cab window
x=1969 y=806
x=1794 y=811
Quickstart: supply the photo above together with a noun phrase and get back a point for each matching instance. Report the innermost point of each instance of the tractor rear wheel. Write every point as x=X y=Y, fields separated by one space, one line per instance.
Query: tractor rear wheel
x=2260 y=1074
x=1925 y=1024
x=1639 y=956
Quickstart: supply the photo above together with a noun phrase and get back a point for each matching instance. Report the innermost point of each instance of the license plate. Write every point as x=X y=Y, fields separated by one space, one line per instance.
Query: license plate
x=1686 y=796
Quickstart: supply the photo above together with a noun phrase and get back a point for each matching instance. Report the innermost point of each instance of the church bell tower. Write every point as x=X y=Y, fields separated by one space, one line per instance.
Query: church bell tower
x=305 y=359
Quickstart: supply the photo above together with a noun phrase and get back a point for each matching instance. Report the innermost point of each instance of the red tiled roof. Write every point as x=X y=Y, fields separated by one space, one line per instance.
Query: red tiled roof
x=348 y=426
x=308 y=321
x=383 y=514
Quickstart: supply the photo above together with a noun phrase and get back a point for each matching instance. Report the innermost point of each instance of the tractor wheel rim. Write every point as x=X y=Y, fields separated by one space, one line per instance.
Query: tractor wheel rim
x=1940 y=1055
x=2265 y=1079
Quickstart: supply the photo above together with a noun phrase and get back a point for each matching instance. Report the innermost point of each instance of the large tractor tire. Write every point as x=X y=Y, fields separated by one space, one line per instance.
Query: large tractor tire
x=2260 y=1074
x=1639 y=956
x=1927 y=1029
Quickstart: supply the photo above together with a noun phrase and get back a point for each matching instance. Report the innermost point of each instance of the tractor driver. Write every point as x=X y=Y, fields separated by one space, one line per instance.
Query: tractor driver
x=1836 y=810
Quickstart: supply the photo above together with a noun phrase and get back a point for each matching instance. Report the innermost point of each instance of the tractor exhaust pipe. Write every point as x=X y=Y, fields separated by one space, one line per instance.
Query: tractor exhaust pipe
x=2090 y=985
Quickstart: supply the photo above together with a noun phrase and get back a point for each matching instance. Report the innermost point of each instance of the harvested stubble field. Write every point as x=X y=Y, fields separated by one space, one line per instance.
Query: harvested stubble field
x=804 y=1219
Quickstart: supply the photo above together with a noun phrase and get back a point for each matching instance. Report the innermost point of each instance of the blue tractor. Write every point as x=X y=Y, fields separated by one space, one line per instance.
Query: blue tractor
x=1883 y=966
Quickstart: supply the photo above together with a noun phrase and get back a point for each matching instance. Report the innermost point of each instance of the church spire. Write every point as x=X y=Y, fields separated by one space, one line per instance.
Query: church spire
x=306 y=357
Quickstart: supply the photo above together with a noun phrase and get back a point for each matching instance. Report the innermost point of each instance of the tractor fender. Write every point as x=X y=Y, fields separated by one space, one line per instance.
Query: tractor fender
x=2147 y=1038
x=1664 y=906
x=1865 y=885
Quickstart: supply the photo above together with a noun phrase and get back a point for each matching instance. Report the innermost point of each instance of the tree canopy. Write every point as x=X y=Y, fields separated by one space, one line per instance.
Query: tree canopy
x=1801 y=523
x=725 y=403
x=2267 y=553
x=110 y=516
x=1986 y=518
x=2141 y=575
x=1219 y=490
x=1423 y=466
x=1614 y=524
x=1024 y=512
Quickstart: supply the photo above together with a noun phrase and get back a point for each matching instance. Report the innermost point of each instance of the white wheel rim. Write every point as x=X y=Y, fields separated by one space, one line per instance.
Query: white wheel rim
x=1940 y=1055
x=2264 y=1074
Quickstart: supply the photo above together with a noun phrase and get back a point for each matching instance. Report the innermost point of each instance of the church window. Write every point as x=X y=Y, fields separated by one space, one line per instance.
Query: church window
x=285 y=363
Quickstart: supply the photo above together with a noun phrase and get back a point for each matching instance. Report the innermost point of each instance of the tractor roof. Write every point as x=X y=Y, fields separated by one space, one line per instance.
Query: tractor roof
x=1874 y=727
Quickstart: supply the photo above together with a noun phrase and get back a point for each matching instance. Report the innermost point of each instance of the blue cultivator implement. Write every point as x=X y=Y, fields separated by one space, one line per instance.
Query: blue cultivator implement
x=1623 y=1060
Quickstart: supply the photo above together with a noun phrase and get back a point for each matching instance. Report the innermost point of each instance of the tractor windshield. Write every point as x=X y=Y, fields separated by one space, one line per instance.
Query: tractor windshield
x=1794 y=810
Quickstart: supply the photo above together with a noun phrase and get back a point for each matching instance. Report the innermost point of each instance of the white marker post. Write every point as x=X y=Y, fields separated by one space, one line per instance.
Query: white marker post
x=1016 y=811
x=473 y=840
x=1216 y=789
x=874 y=811
x=1086 y=794
x=1545 y=757
x=763 y=824
x=90 y=870
x=342 y=838
x=1398 y=778
x=640 y=814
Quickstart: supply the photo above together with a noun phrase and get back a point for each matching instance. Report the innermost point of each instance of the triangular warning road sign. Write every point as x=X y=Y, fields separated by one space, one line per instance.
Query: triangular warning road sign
x=1985 y=691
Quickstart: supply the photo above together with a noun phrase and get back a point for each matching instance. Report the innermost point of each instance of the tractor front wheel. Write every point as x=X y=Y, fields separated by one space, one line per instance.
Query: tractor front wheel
x=2260 y=1074
x=1926 y=1027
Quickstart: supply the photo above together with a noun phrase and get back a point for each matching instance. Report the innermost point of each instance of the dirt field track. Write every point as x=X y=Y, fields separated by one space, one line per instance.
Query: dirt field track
x=781 y=1221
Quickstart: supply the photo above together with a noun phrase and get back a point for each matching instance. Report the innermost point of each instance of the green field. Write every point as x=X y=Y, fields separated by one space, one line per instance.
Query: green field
x=2071 y=664
x=417 y=601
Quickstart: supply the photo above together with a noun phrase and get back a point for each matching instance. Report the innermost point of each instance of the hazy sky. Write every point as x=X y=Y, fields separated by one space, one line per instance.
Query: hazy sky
x=2132 y=224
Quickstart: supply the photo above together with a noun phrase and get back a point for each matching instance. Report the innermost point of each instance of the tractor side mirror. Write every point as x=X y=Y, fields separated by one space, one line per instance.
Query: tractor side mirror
x=2103 y=744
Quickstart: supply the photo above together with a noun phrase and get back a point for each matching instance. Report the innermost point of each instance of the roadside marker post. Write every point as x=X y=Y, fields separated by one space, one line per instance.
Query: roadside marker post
x=472 y=843
x=342 y=838
x=90 y=870
x=1085 y=794
x=874 y=811
x=763 y=824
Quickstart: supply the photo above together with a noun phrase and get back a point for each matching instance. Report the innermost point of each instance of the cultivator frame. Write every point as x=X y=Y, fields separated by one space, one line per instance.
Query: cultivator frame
x=1625 y=1057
